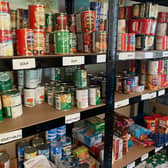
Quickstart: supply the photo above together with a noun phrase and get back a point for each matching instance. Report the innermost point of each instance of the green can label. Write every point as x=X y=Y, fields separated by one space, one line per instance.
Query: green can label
x=81 y=78
x=49 y=22
x=5 y=82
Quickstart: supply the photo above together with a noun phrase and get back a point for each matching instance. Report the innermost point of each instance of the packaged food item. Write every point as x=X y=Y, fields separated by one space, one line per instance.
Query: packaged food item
x=81 y=153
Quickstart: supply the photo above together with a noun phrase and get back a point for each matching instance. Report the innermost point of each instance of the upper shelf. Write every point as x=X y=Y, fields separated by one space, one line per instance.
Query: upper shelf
x=161 y=2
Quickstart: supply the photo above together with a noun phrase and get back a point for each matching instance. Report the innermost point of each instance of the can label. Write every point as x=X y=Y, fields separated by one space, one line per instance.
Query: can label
x=161 y=42
x=94 y=96
x=122 y=42
x=28 y=156
x=73 y=42
x=13 y=19
x=121 y=14
x=121 y=26
x=56 y=152
x=101 y=45
x=131 y=42
x=51 y=97
x=44 y=152
x=133 y=26
x=5 y=23
x=161 y=29
x=49 y=22
x=78 y=19
x=4 y=6
x=29 y=97
x=71 y=23
x=81 y=78
x=153 y=82
x=128 y=13
x=89 y=44
x=60 y=21
x=40 y=95
x=82 y=98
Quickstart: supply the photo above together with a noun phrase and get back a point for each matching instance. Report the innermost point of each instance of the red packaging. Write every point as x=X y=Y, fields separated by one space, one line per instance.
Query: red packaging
x=72 y=23
x=150 y=122
x=24 y=41
x=157 y=117
x=131 y=42
x=128 y=12
x=99 y=148
x=88 y=21
x=163 y=80
x=133 y=26
x=153 y=27
x=161 y=42
x=5 y=35
x=89 y=42
x=121 y=13
x=162 y=17
x=37 y=17
x=4 y=6
x=39 y=45
x=122 y=42
x=161 y=67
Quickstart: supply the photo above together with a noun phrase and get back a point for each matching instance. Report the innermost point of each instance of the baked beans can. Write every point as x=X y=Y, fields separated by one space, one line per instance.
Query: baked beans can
x=63 y=101
x=101 y=44
x=161 y=42
x=81 y=78
x=6 y=43
x=161 y=29
x=153 y=67
x=82 y=98
x=30 y=152
x=152 y=82
x=4 y=6
x=62 y=41
x=43 y=149
x=122 y=41
x=37 y=17
x=49 y=22
x=89 y=44
x=39 y=45
x=13 y=19
x=88 y=21
x=24 y=42
x=131 y=42
x=71 y=23
x=31 y=80
x=133 y=26
x=29 y=97
x=121 y=13
x=4 y=160
x=122 y=26
x=162 y=17
x=128 y=12
x=22 y=18
x=40 y=95
x=73 y=42
x=36 y=141
x=12 y=104
x=135 y=10
x=94 y=95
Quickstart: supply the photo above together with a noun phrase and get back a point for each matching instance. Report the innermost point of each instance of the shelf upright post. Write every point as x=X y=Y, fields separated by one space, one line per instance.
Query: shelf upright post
x=110 y=80
x=69 y=6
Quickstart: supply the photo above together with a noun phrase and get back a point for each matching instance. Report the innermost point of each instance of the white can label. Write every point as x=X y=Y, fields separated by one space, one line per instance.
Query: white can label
x=17 y=111
x=82 y=98
x=29 y=97
x=40 y=95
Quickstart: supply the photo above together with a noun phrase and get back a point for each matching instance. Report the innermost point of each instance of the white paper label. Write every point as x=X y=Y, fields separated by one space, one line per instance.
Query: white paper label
x=145 y=96
x=72 y=118
x=144 y=157
x=165 y=53
x=152 y=95
x=131 y=165
x=158 y=149
x=149 y=54
x=121 y=103
x=101 y=58
x=10 y=136
x=77 y=60
x=161 y=92
x=126 y=55
x=26 y=63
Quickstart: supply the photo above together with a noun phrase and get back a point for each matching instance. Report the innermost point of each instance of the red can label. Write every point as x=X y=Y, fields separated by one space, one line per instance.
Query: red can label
x=5 y=35
x=71 y=23
x=160 y=42
x=162 y=17
x=24 y=42
x=131 y=42
x=128 y=12
x=4 y=6
x=133 y=26
x=89 y=42
x=161 y=67
x=89 y=21
x=37 y=16
x=122 y=42
x=145 y=26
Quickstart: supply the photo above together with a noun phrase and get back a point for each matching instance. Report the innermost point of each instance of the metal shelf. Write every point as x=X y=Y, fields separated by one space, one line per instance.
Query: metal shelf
x=161 y=2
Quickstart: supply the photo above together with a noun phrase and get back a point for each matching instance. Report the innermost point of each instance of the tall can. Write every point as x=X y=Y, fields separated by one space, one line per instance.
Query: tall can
x=62 y=41
x=60 y=21
x=29 y=97
x=81 y=78
x=39 y=44
x=4 y=160
x=101 y=45
x=37 y=16
x=13 y=19
x=49 y=22
x=31 y=80
x=94 y=95
x=82 y=98
x=71 y=23
x=73 y=42
x=24 y=42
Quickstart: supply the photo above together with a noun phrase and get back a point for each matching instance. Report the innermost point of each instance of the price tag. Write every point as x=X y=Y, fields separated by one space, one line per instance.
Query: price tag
x=158 y=149
x=145 y=96
x=101 y=58
x=121 y=103
x=131 y=165
x=72 y=118
x=165 y=53
x=77 y=60
x=10 y=136
x=161 y=92
x=126 y=55
x=158 y=54
x=26 y=63
x=144 y=157
x=152 y=95
x=149 y=55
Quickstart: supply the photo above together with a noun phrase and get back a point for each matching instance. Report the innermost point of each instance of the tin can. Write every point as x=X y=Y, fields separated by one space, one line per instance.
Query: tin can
x=4 y=160
x=37 y=141
x=12 y=104
x=94 y=95
x=4 y=6
x=13 y=15
x=161 y=66
x=48 y=51
x=37 y=16
x=55 y=74
x=5 y=82
x=5 y=21
x=61 y=132
x=71 y=23
x=135 y=10
x=89 y=42
x=48 y=22
x=51 y=96
x=101 y=45
x=6 y=43
x=133 y=26
x=29 y=152
x=152 y=82
x=22 y=18
x=131 y=42
x=88 y=21
x=24 y=42
x=29 y=97
x=71 y=89
x=39 y=47
x=62 y=41
x=40 y=95
x=81 y=78
x=143 y=67
x=153 y=67
x=142 y=11
x=122 y=42
x=73 y=42
x=78 y=19
x=131 y=85
x=31 y=80
x=162 y=17
x=82 y=98
x=161 y=42
x=51 y=135
x=66 y=147
x=43 y=149
x=161 y=29
x=60 y=21
x=122 y=26
x=63 y=101
x=128 y=12
x=121 y=13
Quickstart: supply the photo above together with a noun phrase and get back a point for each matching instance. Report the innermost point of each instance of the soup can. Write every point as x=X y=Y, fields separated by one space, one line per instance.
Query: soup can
x=161 y=42
x=161 y=29
x=43 y=149
x=133 y=26
x=30 y=152
x=131 y=42
x=4 y=160
x=82 y=98
x=22 y=18
x=49 y=22
x=31 y=80
x=73 y=42
x=5 y=21
x=60 y=21
x=153 y=67
x=37 y=141
x=128 y=12
x=24 y=42
x=71 y=23
x=37 y=16
x=89 y=42
x=162 y=17
x=135 y=10
x=81 y=78
x=29 y=97
x=101 y=45
x=94 y=95
x=40 y=95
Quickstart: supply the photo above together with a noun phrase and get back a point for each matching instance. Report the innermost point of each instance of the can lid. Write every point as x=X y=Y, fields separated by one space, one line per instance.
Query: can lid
x=29 y=149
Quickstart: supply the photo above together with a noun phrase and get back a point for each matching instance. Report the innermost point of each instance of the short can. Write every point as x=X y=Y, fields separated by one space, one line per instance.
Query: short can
x=82 y=98
x=29 y=97
x=12 y=104
x=94 y=95
x=30 y=152
x=152 y=82
x=51 y=135
x=36 y=141
x=81 y=78
x=63 y=101
x=40 y=95
x=43 y=149
x=72 y=23
x=61 y=132
x=37 y=16
x=49 y=22
x=24 y=42
x=4 y=160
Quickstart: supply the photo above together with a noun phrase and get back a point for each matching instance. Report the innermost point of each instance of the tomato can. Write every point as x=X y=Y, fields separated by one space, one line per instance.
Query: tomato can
x=49 y=22
x=121 y=13
x=131 y=42
x=122 y=42
x=71 y=23
x=161 y=42
x=122 y=26
x=62 y=41
x=161 y=29
x=162 y=17
x=128 y=12
x=89 y=44
x=4 y=6
x=60 y=21
x=39 y=45
x=88 y=21
x=12 y=104
x=13 y=19
x=40 y=95
x=4 y=160
x=101 y=44
x=29 y=97
x=94 y=95
x=152 y=82
x=82 y=98
x=73 y=42
x=24 y=42
x=153 y=67
x=30 y=152
x=22 y=18
x=135 y=10
x=36 y=141
x=133 y=26
x=63 y=101
x=81 y=78
x=144 y=26
x=37 y=16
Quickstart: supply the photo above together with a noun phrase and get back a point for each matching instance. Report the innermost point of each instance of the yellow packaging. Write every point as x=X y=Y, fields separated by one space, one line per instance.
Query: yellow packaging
x=81 y=153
